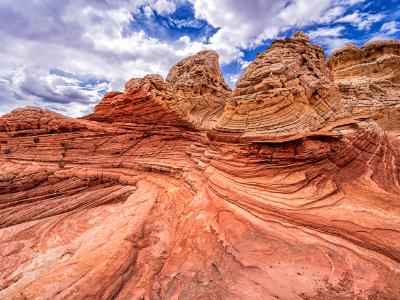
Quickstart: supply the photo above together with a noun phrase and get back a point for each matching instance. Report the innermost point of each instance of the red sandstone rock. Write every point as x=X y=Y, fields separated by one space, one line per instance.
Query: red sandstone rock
x=264 y=206
x=42 y=120
x=193 y=95
x=145 y=101
x=200 y=87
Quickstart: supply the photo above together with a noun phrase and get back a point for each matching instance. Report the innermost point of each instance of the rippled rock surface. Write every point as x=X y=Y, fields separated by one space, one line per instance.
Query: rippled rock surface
x=182 y=189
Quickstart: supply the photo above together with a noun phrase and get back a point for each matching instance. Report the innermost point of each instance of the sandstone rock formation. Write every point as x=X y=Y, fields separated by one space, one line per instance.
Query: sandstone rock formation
x=369 y=80
x=200 y=87
x=193 y=95
x=285 y=196
x=286 y=90
x=40 y=120
x=145 y=101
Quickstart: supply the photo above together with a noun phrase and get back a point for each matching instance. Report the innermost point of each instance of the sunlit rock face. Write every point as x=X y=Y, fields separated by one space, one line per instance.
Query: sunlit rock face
x=285 y=90
x=200 y=87
x=369 y=80
x=193 y=95
x=271 y=191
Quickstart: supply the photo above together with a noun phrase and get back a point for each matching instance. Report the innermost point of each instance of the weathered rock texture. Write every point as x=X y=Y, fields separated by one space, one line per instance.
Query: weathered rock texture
x=286 y=90
x=123 y=205
x=193 y=95
x=200 y=87
x=369 y=80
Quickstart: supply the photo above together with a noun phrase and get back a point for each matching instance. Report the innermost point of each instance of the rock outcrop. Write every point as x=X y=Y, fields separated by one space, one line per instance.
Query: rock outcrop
x=285 y=196
x=145 y=101
x=40 y=120
x=369 y=80
x=286 y=90
x=193 y=94
x=201 y=88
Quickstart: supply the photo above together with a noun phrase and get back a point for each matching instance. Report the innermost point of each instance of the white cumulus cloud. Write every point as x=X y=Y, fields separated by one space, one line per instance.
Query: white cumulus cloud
x=390 y=27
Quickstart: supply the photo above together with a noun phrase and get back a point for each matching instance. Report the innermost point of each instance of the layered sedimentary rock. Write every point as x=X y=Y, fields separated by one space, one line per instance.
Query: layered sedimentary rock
x=193 y=94
x=118 y=206
x=369 y=80
x=41 y=120
x=200 y=87
x=145 y=101
x=285 y=90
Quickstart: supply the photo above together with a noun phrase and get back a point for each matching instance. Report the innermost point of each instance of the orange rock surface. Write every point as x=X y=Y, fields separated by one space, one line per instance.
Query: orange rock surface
x=271 y=191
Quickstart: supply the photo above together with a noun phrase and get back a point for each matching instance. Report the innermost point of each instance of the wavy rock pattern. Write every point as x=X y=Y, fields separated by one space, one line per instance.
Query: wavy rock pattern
x=369 y=80
x=200 y=87
x=118 y=206
x=286 y=90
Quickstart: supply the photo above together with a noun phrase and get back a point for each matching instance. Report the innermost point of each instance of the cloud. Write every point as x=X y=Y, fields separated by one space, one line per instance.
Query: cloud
x=54 y=89
x=248 y=24
x=327 y=32
x=386 y=31
x=332 y=44
x=329 y=37
x=361 y=20
x=303 y=12
x=232 y=79
x=163 y=7
x=390 y=27
x=189 y=23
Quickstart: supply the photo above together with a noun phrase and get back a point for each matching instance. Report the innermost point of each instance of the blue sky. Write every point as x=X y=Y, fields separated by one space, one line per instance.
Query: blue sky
x=64 y=55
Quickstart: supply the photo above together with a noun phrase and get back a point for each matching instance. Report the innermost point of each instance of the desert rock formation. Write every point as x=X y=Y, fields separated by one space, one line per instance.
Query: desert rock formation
x=193 y=95
x=369 y=80
x=181 y=189
x=285 y=90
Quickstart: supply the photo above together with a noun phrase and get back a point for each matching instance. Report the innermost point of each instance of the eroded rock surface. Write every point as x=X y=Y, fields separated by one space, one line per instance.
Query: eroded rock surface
x=201 y=88
x=285 y=90
x=264 y=206
x=369 y=80
x=193 y=95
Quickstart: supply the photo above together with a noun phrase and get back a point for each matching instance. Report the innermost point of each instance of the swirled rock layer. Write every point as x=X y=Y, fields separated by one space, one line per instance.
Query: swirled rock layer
x=200 y=87
x=285 y=90
x=369 y=80
x=118 y=206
